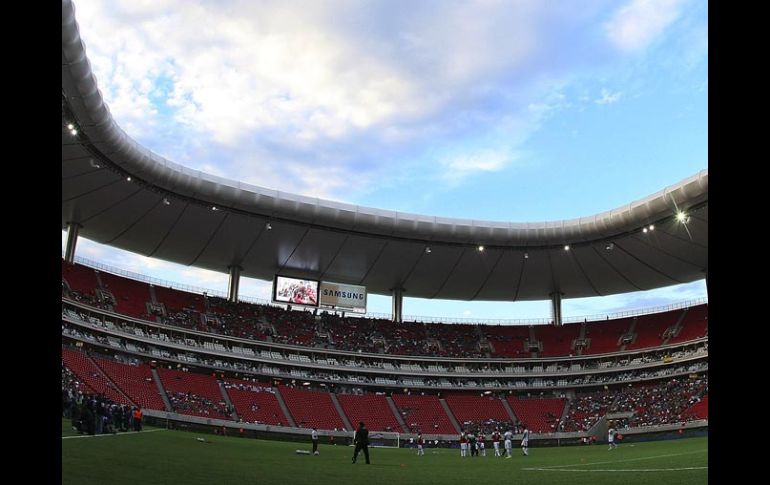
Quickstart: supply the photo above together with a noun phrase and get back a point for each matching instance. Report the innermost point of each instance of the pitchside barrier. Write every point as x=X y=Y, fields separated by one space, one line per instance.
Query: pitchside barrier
x=387 y=439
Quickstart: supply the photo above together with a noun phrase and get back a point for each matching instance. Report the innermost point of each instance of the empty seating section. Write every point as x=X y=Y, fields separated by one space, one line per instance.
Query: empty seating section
x=371 y=409
x=131 y=296
x=135 y=381
x=311 y=408
x=176 y=300
x=80 y=278
x=255 y=402
x=694 y=325
x=557 y=340
x=508 y=341
x=194 y=394
x=699 y=410
x=650 y=328
x=605 y=335
x=90 y=375
x=423 y=414
x=473 y=412
x=539 y=415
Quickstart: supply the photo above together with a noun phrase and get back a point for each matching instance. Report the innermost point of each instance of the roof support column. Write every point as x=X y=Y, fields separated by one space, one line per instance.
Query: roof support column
x=706 y=272
x=556 y=308
x=73 y=228
x=398 y=304
x=235 y=279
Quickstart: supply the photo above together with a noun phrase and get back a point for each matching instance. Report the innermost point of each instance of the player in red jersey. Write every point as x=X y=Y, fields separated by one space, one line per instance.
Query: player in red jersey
x=496 y=442
x=420 y=442
x=463 y=444
x=480 y=443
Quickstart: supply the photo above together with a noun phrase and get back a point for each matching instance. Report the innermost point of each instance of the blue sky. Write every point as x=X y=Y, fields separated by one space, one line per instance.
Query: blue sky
x=499 y=110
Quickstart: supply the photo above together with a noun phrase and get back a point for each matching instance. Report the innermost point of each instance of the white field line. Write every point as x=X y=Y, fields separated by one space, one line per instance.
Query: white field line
x=619 y=461
x=103 y=435
x=619 y=470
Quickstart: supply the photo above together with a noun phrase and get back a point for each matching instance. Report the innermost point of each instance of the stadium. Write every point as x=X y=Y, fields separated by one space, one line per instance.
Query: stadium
x=171 y=382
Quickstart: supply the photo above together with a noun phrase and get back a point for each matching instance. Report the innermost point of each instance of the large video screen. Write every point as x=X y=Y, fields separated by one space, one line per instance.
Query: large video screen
x=294 y=290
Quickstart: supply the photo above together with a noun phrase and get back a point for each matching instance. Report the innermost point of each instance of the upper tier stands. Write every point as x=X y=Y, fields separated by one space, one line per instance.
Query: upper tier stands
x=262 y=322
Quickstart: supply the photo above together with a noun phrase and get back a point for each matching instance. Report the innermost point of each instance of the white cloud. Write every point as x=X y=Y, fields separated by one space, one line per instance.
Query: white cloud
x=460 y=166
x=639 y=22
x=608 y=97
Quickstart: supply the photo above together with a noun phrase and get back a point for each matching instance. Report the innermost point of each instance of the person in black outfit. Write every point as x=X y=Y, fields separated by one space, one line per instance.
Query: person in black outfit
x=362 y=442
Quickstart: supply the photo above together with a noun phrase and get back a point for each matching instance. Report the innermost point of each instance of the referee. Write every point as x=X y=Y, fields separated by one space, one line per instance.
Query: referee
x=362 y=442
x=314 y=438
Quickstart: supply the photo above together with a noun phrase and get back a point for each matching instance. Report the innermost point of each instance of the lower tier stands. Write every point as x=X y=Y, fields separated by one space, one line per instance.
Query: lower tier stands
x=134 y=380
x=255 y=402
x=194 y=394
x=479 y=412
x=371 y=409
x=90 y=376
x=539 y=415
x=311 y=408
x=423 y=414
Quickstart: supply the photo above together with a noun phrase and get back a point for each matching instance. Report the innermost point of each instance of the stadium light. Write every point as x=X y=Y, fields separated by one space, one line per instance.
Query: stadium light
x=652 y=227
x=427 y=250
x=128 y=179
x=74 y=132
x=644 y=230
x=166 y=201
x=526 y=255
x=566 y=247
x=682 y=217
x=214 y=208
x=481 y=249
x=70 y=126
x=268 y=226
x=609 y=246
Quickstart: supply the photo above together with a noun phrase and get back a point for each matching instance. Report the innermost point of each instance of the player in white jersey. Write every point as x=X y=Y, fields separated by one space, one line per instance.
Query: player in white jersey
x=481 y=445
x=463 y=444
x=496 y=442
x=611 y=438
x=508 y=436
x=525 y=441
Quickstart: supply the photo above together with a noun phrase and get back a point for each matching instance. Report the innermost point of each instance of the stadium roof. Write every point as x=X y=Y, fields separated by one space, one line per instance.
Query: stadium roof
x=171 y=212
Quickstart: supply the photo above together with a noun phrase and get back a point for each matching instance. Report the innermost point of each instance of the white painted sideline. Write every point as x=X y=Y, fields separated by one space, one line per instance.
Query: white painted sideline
x=625 y=461
x=620 y=470
x=109 y=434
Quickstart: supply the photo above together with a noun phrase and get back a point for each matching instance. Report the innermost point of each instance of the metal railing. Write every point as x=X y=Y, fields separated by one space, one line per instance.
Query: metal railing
x=387 y=316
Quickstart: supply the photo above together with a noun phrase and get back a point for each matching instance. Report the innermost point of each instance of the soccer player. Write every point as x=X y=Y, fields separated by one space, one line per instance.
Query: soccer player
x=472 y=444
x=496 y=441
x=361 y=441
x=420 y=451
x=463 y=444
x=508 y=436
x=611 y=438
x=525 y=441
x=314 y=439
x=482 y=447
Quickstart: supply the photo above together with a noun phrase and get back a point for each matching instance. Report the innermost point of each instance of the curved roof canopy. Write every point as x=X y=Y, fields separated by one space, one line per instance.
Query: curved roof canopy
x=165 y=211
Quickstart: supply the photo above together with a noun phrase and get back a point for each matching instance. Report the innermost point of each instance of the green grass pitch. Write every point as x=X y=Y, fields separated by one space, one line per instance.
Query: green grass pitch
x=165 y=457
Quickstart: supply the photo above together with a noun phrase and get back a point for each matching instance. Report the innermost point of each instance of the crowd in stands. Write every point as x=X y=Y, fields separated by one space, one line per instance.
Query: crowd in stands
x=333 y=331
x=191 y=403
x=92 y=413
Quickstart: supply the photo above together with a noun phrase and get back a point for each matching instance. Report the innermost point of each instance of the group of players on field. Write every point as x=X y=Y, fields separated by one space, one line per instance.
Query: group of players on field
x=475 y=444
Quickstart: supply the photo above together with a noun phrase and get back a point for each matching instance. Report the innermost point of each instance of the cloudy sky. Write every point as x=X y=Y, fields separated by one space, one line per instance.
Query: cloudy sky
x=491 y=109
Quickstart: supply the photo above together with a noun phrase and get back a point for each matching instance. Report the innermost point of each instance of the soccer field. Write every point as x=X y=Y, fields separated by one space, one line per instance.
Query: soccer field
x=165 y=457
